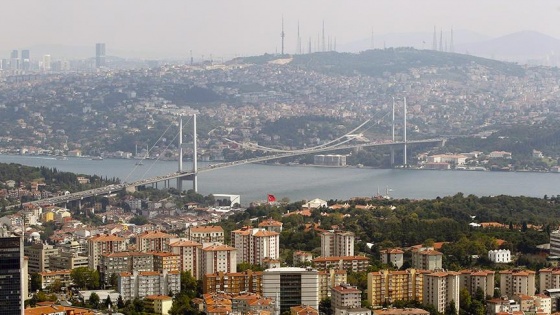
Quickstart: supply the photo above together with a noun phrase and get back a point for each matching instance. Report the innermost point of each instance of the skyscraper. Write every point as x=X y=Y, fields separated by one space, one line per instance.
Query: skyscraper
x=100 y=55
x=25 y=59
x=14 y=59
x=12 y=273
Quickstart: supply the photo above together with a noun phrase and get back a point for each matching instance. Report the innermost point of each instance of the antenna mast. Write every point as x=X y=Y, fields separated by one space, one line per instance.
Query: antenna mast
x=282 y=35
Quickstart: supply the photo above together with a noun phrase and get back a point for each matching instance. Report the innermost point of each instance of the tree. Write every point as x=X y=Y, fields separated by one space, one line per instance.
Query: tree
x=36 y=282
x=113 y=280
x=120 y=302
x=108 y=301
x=86 y=278
x=93 y=300
x=325 y=306
x=450 y=309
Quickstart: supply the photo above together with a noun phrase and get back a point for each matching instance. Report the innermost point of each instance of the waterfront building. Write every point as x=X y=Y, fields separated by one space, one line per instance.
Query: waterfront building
x=103 y=244
x=13 y=276
x=255 y=244
x=440 y=289
x=394 y=256
x=387 y=286
x=291 y=286
x=517 y=282
x=153 y=241
x=189 y=253
x=474 y=279
x=353 y=263
x=206 y=234
x=337 y=243
x=233 y=282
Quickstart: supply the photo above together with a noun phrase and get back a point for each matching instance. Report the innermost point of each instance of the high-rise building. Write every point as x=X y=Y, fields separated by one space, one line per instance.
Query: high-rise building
x=440 y=289
x=474 y=279
x=189 y=252
x=388 y=286
x=549 y=278
x=218 y=258
x=555 y=243
x=426 y=258
x=39 y=256
x=233 y=282
x=100 y=55
x=206 y=234
x=345 y=296
x=517 y=282
x=145 y=283
x=25 y=59
x=103 y=244
x=46 y=62
x=13 y=276
x=337 y=243
x=291 y=286
x=153 y=241
x=14 y=60
x=255 y=244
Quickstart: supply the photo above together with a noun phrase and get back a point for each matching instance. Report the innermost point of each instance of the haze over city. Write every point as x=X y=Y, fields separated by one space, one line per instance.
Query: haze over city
x=227 y=29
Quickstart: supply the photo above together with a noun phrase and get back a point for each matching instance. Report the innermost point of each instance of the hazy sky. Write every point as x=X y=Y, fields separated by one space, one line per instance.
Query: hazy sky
x=245 y=27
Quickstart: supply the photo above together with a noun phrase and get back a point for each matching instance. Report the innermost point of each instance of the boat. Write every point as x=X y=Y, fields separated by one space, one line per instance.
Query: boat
x=97 y=158
x=61 y=158
x=139 y=163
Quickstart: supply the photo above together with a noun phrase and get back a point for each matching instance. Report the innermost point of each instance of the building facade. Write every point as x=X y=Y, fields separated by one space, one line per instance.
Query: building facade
x=353 y=263
x=233 y=282
x=218 y=258
x=392 y=256
x=255 y=244
x=103 y=244
x=517 y=282
x=157 y=241
x=13 y=276
x=426 y=258
x=189 y=256
x=145 y=283
x=388 y=286
x=337 y=243
x=440 y=289
x=500 y=256
x=291 y=286
x=206 y=234
x=474 y=279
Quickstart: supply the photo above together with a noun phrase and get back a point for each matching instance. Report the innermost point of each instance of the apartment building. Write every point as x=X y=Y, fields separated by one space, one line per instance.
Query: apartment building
x=440 y=289
x=39 y=256
x=353 y=263
x=251 y=303
x=103 y=244
x=394 y=256
x=157 y=241
x=549 y=278
x=166 y=261
x=50 y=277
x=255 y=244
x=401 y=311
x=474 y=279
x=344 y=296
x=206 y=234
x=426 y=258
x=116 y=263
x=337 y=243
x=329 y=279
x=144 y=283
x=158 y=304
x=271 y=225
x=387 y=286
x=218 y=258
x=233 y=282
x=189 y=256
x=517 y=282
x=303 y=310
x=300 y=257
x=68 y=261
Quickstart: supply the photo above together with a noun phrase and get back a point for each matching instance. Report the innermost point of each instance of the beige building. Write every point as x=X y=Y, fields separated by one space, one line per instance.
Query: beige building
x=474 y=279
x=50 y=277
x=394 y=256
x=153 y=241
x=206 y=234
x=345 y=296
x=300 y=257
x=440 y=289
x=514 y=282
x=328 y=280
x=39 y=256
x=103 y=244
x=426 y=258
x=218 y=258
x=158 y=304
x=68 y=261
x=255 y=244
x=401 y=311
x=189 y=253
x=337 y=243
x=116 y=263
x=166 y=261
x=271 y=225
x=549 y=278
x=353 y=263
x=388 y=286
x=233 y=282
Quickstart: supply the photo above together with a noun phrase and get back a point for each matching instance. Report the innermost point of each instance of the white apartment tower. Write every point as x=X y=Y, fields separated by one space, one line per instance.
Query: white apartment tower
x=255 y=244
x=218 y=258
x=337 y=243
x=440 y=288
x=190 y=253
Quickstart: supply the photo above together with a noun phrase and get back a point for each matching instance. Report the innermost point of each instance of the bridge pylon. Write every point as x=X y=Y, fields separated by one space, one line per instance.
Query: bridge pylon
x=194 y=176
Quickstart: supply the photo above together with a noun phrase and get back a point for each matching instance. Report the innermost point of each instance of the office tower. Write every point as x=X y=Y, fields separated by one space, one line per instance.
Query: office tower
x=46 y=62
x=13 y=276
x=100 y=55
x=25 y=59
x=337 y=243
x=291 y=286
x=14 y=60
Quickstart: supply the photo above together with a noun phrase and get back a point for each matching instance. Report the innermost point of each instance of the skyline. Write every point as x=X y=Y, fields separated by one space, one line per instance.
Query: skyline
x=250 y=27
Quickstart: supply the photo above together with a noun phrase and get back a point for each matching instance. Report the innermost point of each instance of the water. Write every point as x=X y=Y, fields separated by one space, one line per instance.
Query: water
x=254 y=181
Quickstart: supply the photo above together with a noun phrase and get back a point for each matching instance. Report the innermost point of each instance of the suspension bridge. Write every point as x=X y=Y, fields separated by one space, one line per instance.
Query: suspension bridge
x=352 y=139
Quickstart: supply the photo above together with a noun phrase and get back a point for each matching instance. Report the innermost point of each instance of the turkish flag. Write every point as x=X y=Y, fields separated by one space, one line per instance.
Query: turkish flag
x=271 y=198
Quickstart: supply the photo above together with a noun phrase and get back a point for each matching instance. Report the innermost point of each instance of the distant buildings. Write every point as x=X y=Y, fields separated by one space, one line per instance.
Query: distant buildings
x=100 y=55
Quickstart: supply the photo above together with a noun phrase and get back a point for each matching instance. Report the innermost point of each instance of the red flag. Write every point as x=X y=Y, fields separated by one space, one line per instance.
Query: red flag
x=271 y=198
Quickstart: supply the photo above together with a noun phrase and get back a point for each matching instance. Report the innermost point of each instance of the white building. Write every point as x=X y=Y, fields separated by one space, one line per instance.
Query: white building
x=500 y=256
x=300 y=286
x=440 y=288
x=218 y=258
x=142 y=284
x=190 y=253
x=337 y=243
x=255 y=244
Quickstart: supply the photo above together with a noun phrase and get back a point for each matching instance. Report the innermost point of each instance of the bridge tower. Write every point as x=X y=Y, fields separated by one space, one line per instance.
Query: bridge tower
x=404 y=136
x=194 y=176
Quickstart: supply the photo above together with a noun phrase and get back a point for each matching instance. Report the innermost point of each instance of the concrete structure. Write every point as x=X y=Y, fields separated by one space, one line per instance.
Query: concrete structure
x=189 y=253
x=329 y=159
x=554 y=295
x=555 y=243
x=166 y=261
x=543 y=302
x=68 y=261
x=440 y=289
x=158 y=304
x=116 y=263
x=337 y=243
x=474 y=279
x=501 y=306
x=500 y=256
x=153 y=241
x=100 y=55
x=218 y=258
x=303 y=310
x=328 y=280
x=255 y=244
x=39 y=256
x=517 y=282
x=394 y=256
x=13 y=276
x=353 y=263
x=206 y=234
x=388 y=286
x=344 y=297
x=426 y=258
x=251 y=303
x=271 y=225
x=50 y=277
x=145 y=283
x=292 y=286
x=103 y=244
x=233 y=282
x=549 y=278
